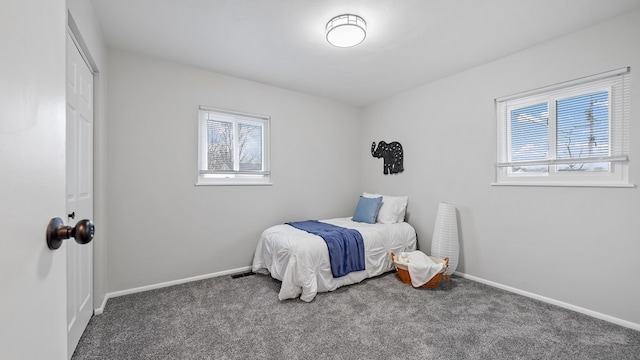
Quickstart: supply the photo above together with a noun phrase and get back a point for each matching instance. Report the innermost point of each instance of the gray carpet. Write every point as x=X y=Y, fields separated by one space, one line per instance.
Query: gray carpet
x=380 y=318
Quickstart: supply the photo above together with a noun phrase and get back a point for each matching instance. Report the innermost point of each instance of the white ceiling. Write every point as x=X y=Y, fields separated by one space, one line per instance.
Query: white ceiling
x=282 y=42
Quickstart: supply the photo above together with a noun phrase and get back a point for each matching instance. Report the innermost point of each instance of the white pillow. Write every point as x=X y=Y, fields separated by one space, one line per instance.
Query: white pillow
x=393 y=208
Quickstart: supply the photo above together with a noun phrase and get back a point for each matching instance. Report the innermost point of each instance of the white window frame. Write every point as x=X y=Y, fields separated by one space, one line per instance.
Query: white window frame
x=235 y=176
x=617 y=84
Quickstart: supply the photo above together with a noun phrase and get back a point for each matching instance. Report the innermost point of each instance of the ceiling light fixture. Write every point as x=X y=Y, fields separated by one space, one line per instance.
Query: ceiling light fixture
x=346 y=30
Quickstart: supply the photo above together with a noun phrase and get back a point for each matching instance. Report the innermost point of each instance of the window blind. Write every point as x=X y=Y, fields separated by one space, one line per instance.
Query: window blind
x=232 y=145
x=569 y=124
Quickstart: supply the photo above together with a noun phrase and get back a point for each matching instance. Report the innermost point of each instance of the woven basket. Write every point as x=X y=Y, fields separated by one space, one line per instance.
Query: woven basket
x=403 y=272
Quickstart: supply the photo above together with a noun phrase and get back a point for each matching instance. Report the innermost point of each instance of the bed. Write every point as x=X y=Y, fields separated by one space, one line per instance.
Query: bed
x=300 y=260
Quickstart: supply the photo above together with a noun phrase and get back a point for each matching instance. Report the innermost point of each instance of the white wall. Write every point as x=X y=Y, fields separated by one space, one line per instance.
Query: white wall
x=85 y=27
x=161 y=226
x=574 y=245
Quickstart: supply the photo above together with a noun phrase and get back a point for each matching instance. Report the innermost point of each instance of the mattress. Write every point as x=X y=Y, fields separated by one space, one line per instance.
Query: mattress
x=300 y=260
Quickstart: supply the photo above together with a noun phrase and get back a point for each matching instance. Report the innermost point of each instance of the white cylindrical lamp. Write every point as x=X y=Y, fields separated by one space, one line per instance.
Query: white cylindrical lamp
x=445 y=236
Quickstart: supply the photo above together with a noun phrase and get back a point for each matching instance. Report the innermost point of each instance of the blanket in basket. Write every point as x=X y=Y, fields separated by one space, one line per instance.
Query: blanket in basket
x=421 y=267
x=346 y=246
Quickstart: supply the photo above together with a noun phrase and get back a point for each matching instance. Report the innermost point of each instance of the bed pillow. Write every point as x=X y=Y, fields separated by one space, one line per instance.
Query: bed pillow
x=393 y=208
x=367 y=209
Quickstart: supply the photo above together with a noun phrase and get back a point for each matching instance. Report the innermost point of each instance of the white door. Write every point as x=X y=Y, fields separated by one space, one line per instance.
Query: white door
x=32 y=178
x=79 y=192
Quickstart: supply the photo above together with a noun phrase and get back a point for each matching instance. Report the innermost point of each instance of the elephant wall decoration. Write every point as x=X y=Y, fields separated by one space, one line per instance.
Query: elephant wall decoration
x=392 y=155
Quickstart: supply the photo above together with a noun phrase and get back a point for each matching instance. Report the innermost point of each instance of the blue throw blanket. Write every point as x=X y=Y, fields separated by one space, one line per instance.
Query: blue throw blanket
x=346 y=246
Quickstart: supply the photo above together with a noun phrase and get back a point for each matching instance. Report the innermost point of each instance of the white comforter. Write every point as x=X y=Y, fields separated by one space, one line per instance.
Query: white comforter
x=301 y=260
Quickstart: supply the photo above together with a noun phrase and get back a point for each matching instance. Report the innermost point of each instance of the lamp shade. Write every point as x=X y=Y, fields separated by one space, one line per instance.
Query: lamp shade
x=445 y=236
x=346 y=30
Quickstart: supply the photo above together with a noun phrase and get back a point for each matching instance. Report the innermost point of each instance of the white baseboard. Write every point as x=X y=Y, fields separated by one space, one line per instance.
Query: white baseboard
x=100 y=310
x=561 y=304
x=114 y=294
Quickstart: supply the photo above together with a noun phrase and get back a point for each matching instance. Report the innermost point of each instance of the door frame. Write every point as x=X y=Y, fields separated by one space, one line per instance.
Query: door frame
x=80 y=307
x=99 y=163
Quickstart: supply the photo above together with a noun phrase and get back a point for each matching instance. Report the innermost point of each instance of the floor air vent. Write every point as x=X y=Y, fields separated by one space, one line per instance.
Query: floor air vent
x=248 y=273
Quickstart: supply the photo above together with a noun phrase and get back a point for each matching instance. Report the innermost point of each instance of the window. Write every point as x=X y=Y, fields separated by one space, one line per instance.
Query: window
x=570 y=134
x=233 y=148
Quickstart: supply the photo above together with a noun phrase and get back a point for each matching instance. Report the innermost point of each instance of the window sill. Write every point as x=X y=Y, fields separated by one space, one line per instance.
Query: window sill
x=233 y=184
x=572 y=184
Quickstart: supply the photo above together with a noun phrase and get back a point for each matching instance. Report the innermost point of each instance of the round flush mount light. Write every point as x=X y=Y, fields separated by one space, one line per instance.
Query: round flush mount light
x=346 y=30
